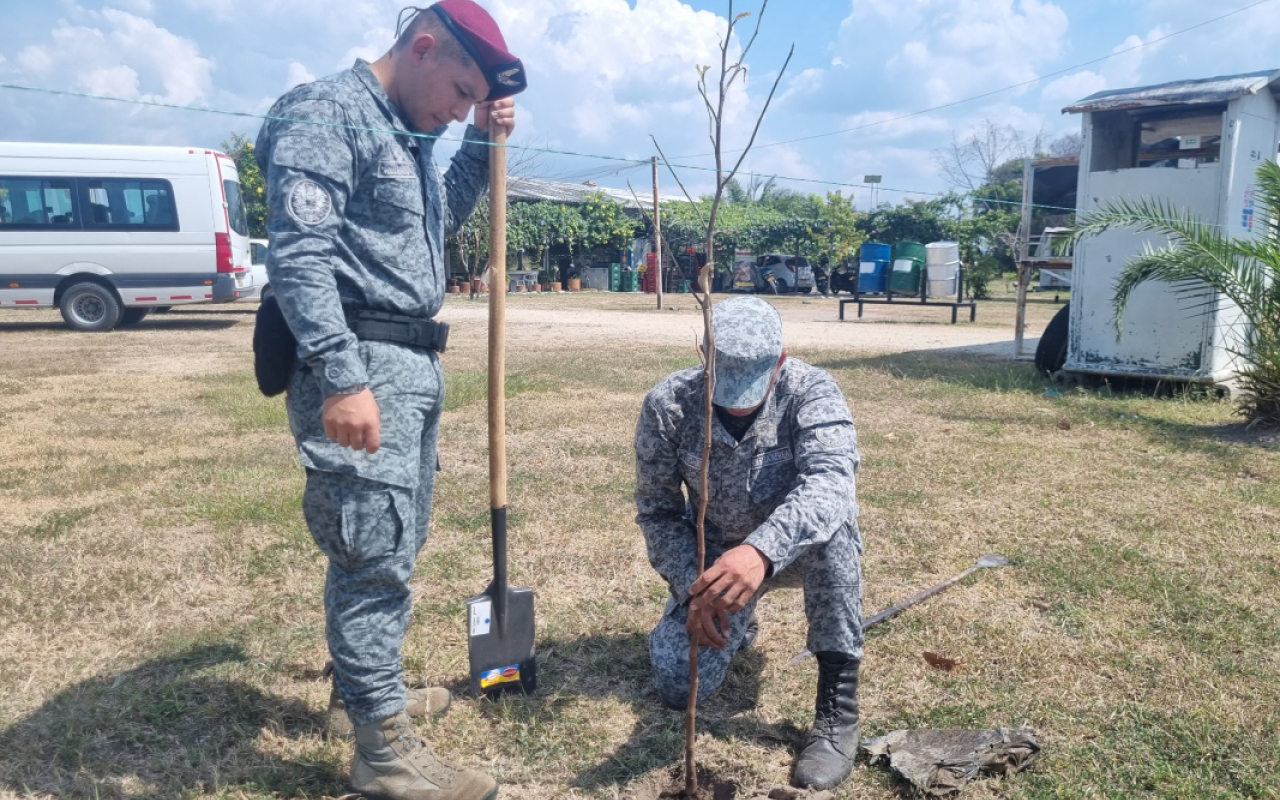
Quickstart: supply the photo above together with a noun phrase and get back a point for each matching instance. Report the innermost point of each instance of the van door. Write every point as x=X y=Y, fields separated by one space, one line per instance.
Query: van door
x=233 y=245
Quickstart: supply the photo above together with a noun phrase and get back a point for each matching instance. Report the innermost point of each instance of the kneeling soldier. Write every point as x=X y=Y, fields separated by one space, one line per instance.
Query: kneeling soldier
x=781 y=513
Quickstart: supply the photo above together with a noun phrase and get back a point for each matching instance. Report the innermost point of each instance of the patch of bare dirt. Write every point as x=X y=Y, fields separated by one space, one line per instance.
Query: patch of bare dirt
x=811 y=324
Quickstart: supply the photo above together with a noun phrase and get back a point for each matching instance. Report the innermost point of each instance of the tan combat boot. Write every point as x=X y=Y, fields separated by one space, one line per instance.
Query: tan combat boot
x=393 y=763
x=420 y=703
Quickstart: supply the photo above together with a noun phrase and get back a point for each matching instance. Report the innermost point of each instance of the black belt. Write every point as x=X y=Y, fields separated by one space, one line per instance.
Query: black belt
x=379 y=326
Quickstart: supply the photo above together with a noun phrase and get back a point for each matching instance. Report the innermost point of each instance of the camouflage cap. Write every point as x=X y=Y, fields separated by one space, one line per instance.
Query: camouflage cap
x=748 y=334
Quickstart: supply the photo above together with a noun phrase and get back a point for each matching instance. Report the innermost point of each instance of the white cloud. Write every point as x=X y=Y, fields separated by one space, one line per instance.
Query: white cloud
x=298 y=75
x=786 y=160
x=143 y=8
x=621 y=71
x=1070 y=88
x=123 y=55
x=962 y=47
x=1124 y=70
x=377 y=41
x=117 y=81
x=808 y=82
x=881 y=125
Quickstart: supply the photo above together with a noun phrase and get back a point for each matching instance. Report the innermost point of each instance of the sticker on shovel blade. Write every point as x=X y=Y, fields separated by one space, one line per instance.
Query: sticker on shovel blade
x=493 y=677
x=481 y=612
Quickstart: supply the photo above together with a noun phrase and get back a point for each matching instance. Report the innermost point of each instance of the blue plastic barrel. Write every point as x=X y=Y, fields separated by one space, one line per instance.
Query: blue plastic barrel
x=873 y=272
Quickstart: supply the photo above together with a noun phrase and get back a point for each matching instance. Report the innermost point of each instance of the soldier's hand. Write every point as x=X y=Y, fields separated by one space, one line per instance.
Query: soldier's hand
x=352 y=420
x=503 y=112
x=731 y=582
x=703 y=618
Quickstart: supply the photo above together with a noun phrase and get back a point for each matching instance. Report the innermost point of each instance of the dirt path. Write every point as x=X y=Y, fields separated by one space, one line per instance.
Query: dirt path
x=808 y=324
x=203 y=339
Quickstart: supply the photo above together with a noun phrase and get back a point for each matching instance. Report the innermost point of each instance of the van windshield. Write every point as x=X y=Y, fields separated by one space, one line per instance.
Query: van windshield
x=235 y=208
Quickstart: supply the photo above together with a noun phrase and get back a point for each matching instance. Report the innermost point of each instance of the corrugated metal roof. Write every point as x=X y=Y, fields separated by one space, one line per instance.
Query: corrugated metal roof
x=1206 y=90
x=555 y=191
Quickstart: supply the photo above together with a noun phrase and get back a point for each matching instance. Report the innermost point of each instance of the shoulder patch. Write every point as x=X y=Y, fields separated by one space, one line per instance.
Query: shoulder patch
x=834 y=435
x=309 y=203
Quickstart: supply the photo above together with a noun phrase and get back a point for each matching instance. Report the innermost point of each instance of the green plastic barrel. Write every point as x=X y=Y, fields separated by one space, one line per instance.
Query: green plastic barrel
x=615 y=277
x=908 y=264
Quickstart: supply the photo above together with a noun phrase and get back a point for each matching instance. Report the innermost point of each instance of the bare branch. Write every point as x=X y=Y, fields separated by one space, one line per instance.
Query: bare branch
x=760 y=119
x=677 y=177
x=759 y=22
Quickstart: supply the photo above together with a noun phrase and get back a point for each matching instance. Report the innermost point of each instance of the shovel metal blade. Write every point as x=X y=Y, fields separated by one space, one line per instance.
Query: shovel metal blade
x=501 y=627
x=501 y=650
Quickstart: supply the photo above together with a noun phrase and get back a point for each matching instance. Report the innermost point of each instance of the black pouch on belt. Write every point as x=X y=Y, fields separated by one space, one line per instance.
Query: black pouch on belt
x=274 y=348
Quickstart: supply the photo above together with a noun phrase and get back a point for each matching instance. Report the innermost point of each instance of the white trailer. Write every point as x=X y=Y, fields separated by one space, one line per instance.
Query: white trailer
x=106 y=233
x=1194 y=145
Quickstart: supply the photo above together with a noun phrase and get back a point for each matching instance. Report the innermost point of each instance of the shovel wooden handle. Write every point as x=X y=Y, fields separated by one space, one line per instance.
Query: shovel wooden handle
x=497 y=320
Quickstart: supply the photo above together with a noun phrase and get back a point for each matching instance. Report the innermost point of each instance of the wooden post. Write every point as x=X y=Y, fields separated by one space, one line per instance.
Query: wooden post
x=1023 y=248
x=1020 y=309
x=657 y=231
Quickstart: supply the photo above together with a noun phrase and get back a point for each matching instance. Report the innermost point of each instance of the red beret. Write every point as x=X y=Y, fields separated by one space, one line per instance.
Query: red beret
x=479 y=34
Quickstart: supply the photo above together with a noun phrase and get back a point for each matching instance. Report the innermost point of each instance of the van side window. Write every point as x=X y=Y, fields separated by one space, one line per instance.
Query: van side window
x=128 y=204
x=36 y=202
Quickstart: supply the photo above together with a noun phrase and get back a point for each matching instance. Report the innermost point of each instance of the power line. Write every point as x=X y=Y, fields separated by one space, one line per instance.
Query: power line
x=994 y=92
x=632 y=163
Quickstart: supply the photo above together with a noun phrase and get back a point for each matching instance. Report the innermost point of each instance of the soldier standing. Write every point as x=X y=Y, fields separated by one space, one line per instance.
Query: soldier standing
x=358 y=217
x=781 y=514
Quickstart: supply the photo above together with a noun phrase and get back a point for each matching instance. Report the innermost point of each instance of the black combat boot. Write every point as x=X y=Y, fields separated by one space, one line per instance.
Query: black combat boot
x=827 y=759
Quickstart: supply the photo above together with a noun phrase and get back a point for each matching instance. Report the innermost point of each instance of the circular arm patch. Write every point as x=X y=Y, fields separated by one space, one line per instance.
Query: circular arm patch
x=309 y=203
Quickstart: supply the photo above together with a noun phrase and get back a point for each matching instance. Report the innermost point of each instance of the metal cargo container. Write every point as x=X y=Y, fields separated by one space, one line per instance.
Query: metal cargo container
x=1194 y=146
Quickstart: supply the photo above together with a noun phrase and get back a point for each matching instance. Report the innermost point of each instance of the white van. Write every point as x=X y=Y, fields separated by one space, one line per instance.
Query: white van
x=106 y=233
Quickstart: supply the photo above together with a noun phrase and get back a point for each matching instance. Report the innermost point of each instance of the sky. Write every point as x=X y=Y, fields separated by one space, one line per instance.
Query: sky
x=605 y=75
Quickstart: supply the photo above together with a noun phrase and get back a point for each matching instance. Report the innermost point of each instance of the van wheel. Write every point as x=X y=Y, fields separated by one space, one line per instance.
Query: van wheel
x=90 y=307
x=1051 y=353
x=132 y=316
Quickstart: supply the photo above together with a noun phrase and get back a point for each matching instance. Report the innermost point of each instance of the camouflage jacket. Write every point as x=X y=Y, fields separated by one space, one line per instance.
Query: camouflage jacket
x=357 y=210
x=788 y=485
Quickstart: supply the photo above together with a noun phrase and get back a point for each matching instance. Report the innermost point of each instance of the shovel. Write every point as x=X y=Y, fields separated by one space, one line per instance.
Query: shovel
x=989 y=561
x=500 y=621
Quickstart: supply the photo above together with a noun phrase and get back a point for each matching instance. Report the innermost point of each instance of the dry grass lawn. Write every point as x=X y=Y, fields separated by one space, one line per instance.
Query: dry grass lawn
x=161 y=630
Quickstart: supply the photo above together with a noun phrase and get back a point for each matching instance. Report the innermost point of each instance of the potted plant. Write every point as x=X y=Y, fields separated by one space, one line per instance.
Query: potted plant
x=575 y=280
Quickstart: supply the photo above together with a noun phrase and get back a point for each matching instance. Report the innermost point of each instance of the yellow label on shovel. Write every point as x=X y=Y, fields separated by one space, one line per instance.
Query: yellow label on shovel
x=493 y=677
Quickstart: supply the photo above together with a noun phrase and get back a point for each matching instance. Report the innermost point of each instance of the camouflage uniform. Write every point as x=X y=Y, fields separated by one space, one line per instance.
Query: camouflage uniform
x=359 y=212
x=787 y=488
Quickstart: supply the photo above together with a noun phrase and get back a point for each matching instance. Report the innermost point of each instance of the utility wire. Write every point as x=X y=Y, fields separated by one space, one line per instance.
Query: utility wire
x=631 y=162
x=994 y=92
x=634 y=163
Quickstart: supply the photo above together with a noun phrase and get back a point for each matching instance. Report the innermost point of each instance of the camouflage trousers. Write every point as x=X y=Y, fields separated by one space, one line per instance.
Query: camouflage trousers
x=831 y=576
x=370 y=515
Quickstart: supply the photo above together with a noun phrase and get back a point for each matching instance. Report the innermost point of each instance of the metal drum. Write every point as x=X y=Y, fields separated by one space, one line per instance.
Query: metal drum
x=908 y=263
x=943 y=269
x=873 y=272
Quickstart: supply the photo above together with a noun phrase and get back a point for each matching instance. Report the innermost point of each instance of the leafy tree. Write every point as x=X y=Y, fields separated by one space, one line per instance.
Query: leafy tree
x=606 y=222
x=1200 y=256
x=914 y=221
x=252 y=185
x=844 y=238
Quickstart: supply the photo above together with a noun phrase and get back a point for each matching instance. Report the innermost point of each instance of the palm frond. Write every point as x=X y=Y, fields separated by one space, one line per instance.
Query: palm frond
x=1205 y=267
